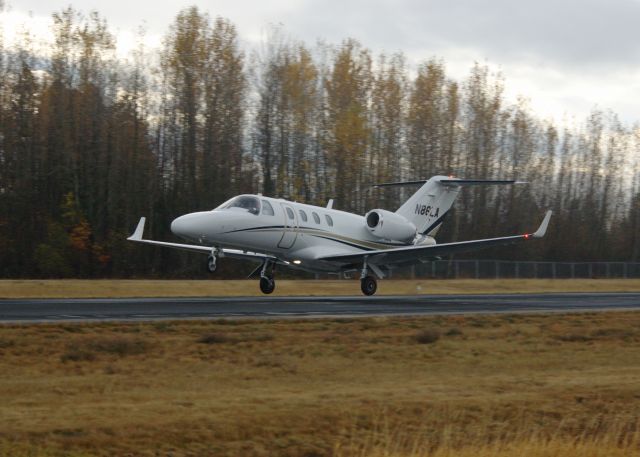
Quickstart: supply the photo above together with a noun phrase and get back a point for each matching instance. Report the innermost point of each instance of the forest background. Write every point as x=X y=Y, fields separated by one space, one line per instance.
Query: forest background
x=89 y=142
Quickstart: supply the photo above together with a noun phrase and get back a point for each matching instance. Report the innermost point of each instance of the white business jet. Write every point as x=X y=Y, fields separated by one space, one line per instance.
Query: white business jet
x=277 y=232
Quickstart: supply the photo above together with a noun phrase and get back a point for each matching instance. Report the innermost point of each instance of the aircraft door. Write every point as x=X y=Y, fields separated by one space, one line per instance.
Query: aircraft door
x=290 y=230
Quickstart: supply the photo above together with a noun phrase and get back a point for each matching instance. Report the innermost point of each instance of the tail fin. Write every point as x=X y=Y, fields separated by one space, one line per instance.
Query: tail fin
x=430 y=204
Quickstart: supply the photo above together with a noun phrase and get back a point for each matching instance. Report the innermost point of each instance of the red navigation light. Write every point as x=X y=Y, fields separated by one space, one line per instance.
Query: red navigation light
x=526 y=236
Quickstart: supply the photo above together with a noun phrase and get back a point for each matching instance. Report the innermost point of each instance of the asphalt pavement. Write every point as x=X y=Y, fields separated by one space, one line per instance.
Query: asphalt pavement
x=132 y=309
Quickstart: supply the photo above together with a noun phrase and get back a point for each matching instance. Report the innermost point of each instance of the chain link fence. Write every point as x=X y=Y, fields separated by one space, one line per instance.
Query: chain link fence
x=503 y=269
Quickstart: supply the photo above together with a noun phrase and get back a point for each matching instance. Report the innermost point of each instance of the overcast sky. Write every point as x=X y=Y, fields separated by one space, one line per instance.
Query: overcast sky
x=566 y=56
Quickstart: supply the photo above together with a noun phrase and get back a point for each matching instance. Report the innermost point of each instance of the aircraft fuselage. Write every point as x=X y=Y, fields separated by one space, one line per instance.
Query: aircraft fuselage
x=296 y=232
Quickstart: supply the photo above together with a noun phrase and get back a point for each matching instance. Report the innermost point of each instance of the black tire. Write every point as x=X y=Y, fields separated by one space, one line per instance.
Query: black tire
x=368 y=285
x=267 y=285
x=212 y=264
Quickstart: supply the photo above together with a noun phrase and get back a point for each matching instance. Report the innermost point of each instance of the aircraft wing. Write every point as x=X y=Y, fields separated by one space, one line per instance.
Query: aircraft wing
x=415 y=254
x=232 y=253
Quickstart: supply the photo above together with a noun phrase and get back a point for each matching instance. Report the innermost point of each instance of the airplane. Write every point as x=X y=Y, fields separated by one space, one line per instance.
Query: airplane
x=278 y=232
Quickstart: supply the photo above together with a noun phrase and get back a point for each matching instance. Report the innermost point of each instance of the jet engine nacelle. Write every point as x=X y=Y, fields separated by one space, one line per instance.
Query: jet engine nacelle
x=389 y=226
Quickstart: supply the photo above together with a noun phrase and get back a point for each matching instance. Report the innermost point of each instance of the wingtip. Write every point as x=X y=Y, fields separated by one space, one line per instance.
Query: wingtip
x=137 y=235
x=542 y=230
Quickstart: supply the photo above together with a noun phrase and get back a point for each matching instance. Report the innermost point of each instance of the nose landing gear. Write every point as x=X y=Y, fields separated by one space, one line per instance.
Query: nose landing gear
x=212 y=264
x=212 y=261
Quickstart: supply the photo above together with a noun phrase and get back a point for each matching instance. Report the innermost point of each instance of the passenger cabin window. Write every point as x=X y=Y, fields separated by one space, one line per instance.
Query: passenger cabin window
x=303 y=215
x=290 y=213
x=244 y=202
x=316 y=218
x=267 y=209
x=329 y=220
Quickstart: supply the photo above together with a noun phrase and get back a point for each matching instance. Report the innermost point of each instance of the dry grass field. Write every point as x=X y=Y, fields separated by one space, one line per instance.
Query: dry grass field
x=525 y=385
x=77 y=288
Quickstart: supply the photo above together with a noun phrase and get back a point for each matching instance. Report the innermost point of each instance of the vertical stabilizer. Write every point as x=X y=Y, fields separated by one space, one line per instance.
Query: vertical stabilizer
x=427 y=208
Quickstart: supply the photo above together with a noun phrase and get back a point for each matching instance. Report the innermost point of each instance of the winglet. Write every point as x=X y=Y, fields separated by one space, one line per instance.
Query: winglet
x=330 y=203
x=137 y=235
x=543 y=227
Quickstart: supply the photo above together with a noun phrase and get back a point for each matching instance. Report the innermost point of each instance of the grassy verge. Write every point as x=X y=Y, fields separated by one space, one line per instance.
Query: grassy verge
x=74 y=288
x=538 y=385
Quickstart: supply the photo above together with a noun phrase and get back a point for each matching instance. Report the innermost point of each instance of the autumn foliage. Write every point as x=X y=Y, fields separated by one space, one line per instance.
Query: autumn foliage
x=90 y=142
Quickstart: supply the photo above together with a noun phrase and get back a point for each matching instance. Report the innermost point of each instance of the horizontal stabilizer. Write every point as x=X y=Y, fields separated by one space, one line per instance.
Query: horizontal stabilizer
x=477 y=182
x=452 y=182
x=398 y=184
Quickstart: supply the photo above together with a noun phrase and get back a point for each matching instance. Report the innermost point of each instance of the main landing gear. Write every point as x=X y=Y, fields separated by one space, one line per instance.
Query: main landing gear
x=368 y=284
x=267 y=283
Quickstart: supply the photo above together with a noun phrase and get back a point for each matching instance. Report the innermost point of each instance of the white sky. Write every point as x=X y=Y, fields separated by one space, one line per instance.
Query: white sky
x=566 y=56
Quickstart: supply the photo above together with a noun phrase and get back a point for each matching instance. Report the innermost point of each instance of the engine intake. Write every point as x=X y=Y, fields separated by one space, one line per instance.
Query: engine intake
x=389 y=226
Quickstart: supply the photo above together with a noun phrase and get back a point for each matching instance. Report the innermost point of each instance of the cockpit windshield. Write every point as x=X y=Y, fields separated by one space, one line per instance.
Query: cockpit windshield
x=243 y=202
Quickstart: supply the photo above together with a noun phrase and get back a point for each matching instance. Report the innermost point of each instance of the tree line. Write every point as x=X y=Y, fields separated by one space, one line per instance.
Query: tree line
x=90 y=142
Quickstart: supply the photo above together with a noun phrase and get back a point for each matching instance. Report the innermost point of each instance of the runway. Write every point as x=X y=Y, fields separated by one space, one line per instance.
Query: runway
x=133 y=309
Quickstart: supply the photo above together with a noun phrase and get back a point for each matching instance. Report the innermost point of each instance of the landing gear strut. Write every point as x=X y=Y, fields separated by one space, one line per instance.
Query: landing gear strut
x=267 y=283
x=212 y=261
x=368 y=284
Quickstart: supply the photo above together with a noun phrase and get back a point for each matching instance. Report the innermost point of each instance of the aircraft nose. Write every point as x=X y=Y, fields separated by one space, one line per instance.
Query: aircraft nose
x=195 y=226
x=179 y=226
